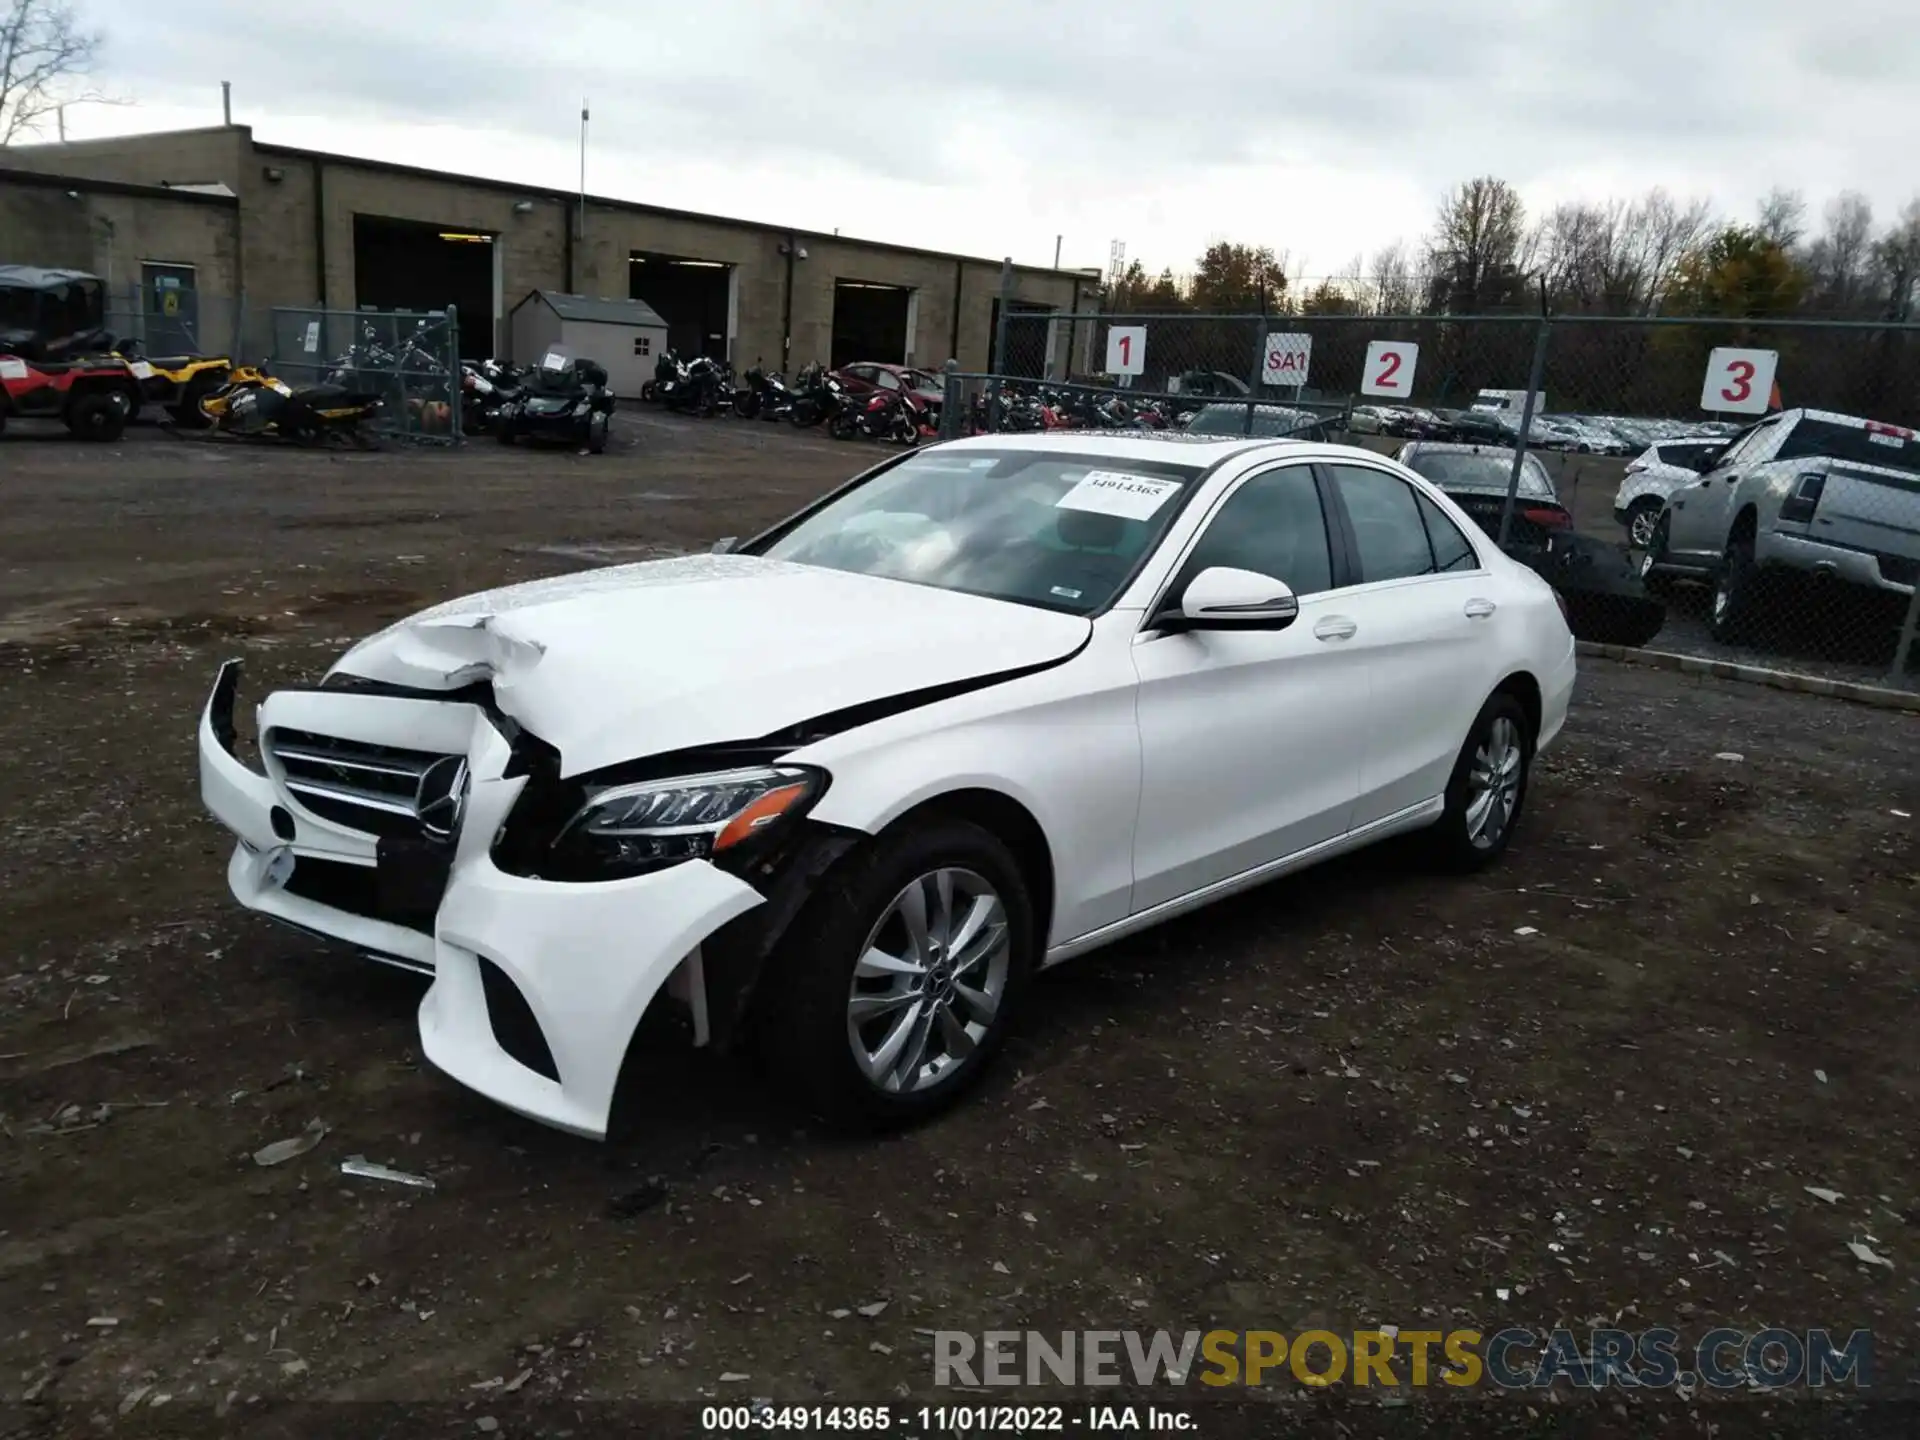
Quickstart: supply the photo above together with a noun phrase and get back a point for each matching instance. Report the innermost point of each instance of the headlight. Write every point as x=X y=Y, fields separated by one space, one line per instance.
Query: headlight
x=631 y=829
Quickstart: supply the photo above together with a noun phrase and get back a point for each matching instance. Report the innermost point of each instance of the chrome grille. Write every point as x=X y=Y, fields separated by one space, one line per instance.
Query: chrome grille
x=365 y=787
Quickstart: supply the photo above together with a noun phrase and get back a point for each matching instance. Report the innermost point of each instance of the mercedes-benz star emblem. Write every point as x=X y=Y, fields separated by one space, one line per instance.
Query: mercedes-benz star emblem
x=441 y=797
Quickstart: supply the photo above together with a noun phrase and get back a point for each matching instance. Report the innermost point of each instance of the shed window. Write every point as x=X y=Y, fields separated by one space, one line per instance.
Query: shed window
x=643 y=344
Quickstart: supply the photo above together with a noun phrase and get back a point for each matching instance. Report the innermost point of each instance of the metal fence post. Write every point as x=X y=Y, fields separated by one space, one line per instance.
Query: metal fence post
x=999 y=365
x=950 y=400
x=1534 y=378
x=1258 y=372
x=453 y=373
x=1904 y=651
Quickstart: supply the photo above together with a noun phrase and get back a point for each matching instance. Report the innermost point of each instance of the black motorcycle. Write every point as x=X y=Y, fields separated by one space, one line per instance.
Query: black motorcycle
x=817 y=396
x=699 y=387
x=764 y=395
x=565 y=400
x=487 y=388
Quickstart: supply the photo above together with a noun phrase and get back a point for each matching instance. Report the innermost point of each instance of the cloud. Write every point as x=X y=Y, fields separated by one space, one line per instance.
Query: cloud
x=1322 y=130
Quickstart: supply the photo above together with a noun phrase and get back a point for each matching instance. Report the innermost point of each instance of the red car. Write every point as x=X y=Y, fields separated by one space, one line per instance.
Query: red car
x=865 y=377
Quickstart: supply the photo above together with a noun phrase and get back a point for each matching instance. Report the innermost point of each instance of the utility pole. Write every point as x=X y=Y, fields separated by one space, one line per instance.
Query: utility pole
x=583 y=175
x=226 y=103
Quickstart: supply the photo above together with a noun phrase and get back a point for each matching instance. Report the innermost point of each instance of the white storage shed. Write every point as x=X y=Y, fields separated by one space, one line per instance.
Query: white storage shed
x=625 y=336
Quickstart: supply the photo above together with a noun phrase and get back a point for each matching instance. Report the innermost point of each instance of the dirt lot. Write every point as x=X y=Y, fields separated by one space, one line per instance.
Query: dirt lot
x=1592 y=1085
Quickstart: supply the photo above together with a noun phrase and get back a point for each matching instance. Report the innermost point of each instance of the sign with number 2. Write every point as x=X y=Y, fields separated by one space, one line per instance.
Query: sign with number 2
x=1127 y=350
x=1739 y=382
x=1389 y=369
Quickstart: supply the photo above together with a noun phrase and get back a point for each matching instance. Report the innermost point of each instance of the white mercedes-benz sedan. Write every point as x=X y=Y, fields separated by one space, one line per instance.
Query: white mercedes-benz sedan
x=843 y=788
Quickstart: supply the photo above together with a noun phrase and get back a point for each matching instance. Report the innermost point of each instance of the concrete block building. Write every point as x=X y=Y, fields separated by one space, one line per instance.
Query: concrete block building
x=216 y=211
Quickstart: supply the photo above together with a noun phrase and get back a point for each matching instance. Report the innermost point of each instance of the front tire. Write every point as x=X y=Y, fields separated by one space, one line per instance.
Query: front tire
x=897 y=982
x=1656 y=582
x=1487 y=790
x=1643 y=518
x=597 y=434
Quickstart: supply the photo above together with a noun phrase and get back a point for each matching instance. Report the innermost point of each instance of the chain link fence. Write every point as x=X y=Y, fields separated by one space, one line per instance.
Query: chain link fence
x=410 y=360
x=1737 y=489
x=177 y=321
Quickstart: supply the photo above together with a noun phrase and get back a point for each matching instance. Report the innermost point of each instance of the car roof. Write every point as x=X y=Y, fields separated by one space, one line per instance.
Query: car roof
x=36 y=277
x=1205 y=450
x=1449 y=447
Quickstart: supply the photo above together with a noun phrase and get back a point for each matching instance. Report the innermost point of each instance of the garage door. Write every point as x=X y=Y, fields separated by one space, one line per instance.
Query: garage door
x=870 y=322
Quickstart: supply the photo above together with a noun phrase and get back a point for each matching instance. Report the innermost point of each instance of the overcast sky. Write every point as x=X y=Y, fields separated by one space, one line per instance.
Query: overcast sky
x=990 y=126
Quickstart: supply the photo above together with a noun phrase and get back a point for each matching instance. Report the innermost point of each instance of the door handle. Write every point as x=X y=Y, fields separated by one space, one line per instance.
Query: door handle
x=1335 y=627
x=1478 y=609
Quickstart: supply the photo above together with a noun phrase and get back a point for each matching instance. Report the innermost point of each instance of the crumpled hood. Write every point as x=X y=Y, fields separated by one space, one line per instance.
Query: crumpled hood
x=636 y=660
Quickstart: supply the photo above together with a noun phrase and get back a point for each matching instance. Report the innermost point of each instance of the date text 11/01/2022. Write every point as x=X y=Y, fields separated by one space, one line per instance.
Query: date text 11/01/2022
x=944 y=1419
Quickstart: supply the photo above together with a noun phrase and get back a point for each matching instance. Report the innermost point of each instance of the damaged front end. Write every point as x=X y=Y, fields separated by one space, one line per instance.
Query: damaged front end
x=429 y=829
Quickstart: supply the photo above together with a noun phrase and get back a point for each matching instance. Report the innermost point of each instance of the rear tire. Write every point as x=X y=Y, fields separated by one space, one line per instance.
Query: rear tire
x=97 y=417
x=1739 y=592
x=829 y=1013
x=1657 y=582
x=1487 y=790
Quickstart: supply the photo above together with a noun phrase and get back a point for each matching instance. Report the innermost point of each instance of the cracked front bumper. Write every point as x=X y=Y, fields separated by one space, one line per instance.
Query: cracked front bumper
x=587 y=959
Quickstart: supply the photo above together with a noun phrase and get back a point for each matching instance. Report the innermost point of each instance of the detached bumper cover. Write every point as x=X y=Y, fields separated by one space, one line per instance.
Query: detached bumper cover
x=587 y=958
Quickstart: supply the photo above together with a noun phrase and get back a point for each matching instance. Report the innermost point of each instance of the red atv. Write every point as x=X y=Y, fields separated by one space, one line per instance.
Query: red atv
x=92 y=396
x=54 y=356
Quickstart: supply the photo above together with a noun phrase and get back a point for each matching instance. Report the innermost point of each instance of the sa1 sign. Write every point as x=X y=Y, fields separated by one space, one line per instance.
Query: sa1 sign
x=1739 y=382
x=1287 y=357
x=1389 y=368
x=1127 y=350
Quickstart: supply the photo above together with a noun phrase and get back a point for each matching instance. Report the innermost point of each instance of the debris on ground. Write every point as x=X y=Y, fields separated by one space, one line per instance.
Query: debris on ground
x=362 y=1168
x=281 y=1151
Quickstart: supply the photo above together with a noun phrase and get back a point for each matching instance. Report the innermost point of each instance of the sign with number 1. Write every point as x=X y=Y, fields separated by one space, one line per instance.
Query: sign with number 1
x=1739 y=382
x=1127 y=350
x=1389 y=368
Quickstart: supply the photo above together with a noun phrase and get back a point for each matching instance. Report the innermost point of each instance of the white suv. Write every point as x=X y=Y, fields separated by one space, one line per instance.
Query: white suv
x=1655 y=475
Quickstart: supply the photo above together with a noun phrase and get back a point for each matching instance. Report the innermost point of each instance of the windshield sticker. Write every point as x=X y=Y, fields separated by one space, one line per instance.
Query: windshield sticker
x=1110 y=492
x=11 y=369
x=1064 y=593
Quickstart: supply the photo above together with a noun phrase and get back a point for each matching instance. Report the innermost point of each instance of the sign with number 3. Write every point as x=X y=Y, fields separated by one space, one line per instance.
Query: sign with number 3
x=1389 y=369
x=1739 y=382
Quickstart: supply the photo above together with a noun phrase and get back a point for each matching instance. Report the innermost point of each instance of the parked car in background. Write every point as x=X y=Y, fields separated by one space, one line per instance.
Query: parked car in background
x=1410 y=422
x=1367 y=419
x=1605 y=598
x=1269 y=421
x=863 y=378
x=1655 y=475
x=1805 y=498
x=991 y=706
x=1480 y=427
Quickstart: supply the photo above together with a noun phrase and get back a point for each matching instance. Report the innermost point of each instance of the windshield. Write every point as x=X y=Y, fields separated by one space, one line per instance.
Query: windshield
x=1456 y=470
x=1063 y=532
x=1268 y=421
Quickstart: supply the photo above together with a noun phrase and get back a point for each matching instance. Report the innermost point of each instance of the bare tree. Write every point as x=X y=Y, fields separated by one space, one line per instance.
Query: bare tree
x=1664 y=233
x=1477 y=247
x=42 y=50
x=1396 y=292
x=1841 y=259
x=1896 y=263
x=1782 y=217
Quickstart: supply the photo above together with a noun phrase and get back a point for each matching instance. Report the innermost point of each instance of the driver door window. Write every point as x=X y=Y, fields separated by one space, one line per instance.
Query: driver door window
x=1272 y=525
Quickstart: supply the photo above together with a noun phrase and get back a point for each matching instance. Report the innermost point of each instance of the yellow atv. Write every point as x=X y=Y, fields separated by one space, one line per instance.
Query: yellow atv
x=177 y=383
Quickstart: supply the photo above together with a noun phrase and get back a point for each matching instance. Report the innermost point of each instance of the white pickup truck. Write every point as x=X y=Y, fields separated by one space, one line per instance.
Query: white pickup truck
x=1804 y=497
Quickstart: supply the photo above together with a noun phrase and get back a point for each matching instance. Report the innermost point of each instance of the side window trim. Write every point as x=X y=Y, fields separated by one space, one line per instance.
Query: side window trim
x=1336 y=558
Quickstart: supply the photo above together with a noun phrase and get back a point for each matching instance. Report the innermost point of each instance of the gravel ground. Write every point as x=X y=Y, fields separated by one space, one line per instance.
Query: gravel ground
x=1592 y=1084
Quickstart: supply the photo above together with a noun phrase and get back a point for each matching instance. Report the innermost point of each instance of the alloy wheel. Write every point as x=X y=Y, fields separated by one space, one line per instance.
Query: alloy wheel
x=1640 y=527
x=1493 y=783
x=929 y=981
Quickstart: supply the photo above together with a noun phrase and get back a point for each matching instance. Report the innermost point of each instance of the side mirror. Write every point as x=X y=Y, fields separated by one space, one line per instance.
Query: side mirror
x=1223 y=598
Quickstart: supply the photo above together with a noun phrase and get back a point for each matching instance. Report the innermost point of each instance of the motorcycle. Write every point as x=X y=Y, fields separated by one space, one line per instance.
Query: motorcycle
x=890 y=415
x=256 y=405
x=764 y=395
x=696 y=387
x=817 y=396
x=486 y=389
x=567 y=399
